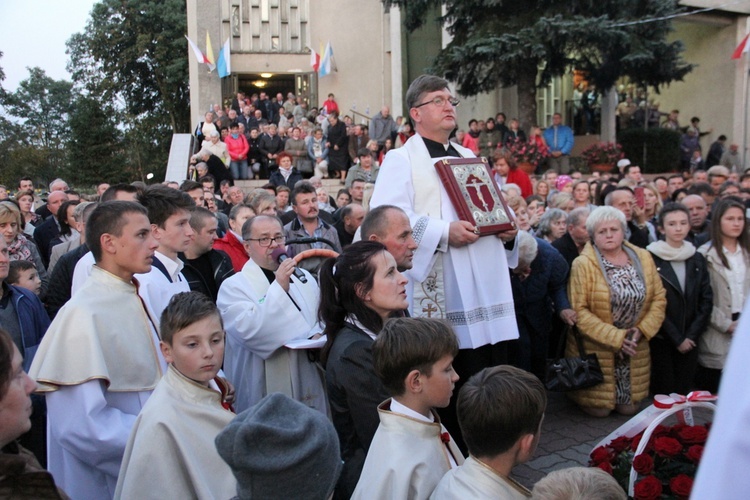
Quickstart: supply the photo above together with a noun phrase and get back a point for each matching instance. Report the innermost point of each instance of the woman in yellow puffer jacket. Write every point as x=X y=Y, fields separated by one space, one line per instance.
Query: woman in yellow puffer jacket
x=618 y=296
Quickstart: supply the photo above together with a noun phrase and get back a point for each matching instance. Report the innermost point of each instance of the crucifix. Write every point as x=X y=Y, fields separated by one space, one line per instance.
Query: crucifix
x=429 y=310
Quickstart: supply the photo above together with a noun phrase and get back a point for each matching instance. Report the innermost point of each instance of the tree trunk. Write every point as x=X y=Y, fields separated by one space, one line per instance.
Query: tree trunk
x=526 y=90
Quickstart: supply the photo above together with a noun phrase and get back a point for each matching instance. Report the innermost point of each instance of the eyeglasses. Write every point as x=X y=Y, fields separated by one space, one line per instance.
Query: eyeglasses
x=266 y=242
x=440 y=102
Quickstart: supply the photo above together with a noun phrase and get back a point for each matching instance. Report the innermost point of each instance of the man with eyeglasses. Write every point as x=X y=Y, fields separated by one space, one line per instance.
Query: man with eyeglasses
x=456 y=274
x=265 y=306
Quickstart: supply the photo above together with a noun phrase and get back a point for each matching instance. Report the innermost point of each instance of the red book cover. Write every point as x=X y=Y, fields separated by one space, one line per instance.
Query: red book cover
x=475 y=194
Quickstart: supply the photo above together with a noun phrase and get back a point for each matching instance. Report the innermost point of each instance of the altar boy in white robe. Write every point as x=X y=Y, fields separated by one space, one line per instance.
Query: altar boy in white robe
x=411 y=450
x=457 y=275
x=265 y=306
x=171 y=452
x=99 y=361
x=500 y=410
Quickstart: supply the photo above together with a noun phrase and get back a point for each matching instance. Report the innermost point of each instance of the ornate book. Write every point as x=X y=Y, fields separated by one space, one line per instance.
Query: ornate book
x=475 y=194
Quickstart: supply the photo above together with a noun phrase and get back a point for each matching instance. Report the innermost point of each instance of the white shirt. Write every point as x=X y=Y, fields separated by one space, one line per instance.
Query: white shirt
x=397 y=407
x=174 y=267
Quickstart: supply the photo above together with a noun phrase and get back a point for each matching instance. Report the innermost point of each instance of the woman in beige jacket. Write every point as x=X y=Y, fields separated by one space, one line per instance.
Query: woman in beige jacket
x=728 y=258
x=618 y=296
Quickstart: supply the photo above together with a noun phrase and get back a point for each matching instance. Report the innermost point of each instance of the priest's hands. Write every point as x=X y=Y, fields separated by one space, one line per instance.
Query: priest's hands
x=284 y=272
x=507 y=235
x=461 y=233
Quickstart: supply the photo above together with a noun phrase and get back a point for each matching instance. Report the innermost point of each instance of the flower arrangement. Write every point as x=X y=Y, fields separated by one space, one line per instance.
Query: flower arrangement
x=602 y=153
x=526 y=152
x=666 y=468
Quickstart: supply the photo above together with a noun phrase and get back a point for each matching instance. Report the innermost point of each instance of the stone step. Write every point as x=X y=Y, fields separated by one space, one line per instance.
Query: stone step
x=331 y=185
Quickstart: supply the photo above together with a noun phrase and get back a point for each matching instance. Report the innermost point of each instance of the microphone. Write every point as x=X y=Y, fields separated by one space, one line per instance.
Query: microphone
x=279 y=255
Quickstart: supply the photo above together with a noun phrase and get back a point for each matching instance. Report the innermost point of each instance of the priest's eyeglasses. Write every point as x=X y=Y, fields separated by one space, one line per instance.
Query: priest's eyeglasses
x=440 y=102
x=266 y=242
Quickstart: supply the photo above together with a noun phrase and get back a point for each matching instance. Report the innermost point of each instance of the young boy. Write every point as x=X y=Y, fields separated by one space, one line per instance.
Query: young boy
x=411 y=450
x=500 y=411
x=24 y=274
x=169 y=211
x=171 y=452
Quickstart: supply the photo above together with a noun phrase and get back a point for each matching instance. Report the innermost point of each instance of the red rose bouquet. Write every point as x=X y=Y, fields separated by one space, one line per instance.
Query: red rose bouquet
x=666 y=467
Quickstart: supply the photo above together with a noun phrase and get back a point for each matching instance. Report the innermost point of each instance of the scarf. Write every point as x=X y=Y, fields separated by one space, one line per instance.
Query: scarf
x=19 y=249
x=663 y=250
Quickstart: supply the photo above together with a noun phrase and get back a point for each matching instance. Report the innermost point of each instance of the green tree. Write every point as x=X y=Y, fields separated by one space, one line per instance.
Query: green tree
x=527 y=43
x=95 y=147
x=131 y=56
x=34 y=131
x=134 y=53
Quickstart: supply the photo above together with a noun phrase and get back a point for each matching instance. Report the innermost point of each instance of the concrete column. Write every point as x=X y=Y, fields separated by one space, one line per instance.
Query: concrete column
x=608 y=109
x=205 y=87
x=397 y=89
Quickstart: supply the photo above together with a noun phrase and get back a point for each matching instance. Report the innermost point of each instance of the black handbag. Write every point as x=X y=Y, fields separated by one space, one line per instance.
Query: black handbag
x=571 y=374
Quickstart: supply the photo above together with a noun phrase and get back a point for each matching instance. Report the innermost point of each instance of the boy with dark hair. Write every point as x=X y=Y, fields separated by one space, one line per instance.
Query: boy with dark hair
x=171 y=452
x=411 y=450
x=98 y=364
x=500 y=411
x=23 y=273
x=169 y=211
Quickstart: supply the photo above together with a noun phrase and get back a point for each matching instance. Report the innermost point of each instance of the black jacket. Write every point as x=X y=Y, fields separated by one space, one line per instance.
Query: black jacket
x=43 y=236
x=354 y=393
x=567 y=248
x=221 y=265
x=638 y=236
x=687 y=313
x=278 y=180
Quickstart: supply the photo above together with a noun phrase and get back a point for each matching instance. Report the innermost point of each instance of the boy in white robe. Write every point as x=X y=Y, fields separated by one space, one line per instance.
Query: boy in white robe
x=171 y=452
x=500 y=411
x=99 y=361
x=411 y=450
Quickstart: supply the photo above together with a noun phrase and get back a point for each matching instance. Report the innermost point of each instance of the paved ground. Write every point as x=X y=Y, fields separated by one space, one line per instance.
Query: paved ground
x=568 y=436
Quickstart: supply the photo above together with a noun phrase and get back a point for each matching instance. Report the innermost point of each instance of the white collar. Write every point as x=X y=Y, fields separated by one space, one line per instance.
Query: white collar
x=353 y=320
x=239 y=238
x=173 y=267
x=401 y=409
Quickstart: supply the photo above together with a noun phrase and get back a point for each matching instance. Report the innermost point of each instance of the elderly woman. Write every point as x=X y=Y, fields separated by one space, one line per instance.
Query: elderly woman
x=616 y=292
x=563 y=201
x=552 y=225
x=20 y=247
x=538 y=284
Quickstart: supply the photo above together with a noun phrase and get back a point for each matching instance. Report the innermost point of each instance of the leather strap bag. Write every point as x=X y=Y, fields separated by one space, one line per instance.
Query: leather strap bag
x=571 y=374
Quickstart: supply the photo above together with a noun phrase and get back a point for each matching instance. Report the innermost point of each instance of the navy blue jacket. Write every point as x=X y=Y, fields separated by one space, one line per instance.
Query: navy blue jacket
x=33 y=320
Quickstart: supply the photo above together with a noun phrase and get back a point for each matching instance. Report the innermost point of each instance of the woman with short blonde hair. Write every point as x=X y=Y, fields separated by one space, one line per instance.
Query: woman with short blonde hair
x=19 y=246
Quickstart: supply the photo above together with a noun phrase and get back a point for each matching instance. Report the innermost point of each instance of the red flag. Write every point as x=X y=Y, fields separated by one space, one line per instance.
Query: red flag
x=314 y=59
x=741 y=48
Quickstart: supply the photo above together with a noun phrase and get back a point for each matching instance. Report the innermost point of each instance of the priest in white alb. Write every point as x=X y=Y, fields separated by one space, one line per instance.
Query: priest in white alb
x=457 y=275
x=99 y=361
x=265 y=307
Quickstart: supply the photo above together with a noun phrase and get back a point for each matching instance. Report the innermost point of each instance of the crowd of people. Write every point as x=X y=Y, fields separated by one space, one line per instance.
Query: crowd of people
x=195 y=340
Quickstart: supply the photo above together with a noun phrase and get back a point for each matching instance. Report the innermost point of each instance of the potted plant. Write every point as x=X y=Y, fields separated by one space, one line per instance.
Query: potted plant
x=602 y=156
x=527 y=155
